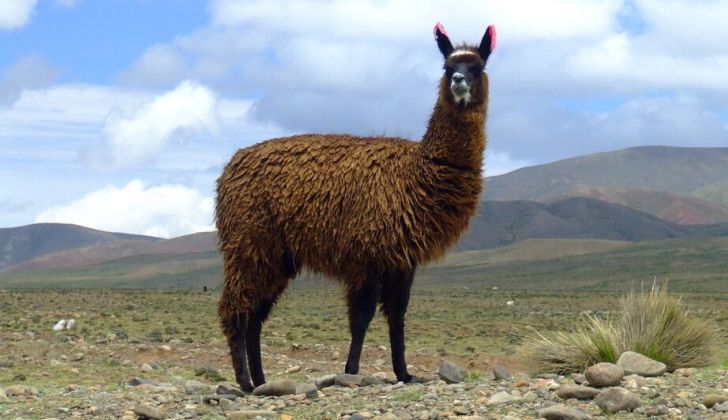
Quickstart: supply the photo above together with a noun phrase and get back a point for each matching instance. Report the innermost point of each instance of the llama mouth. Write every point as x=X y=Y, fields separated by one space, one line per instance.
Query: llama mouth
x=461 y=95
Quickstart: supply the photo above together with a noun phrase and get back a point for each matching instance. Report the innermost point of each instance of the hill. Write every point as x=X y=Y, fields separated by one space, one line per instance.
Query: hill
x=678 y=170
x=690 y=264
x=676 y=208
x=501 y=223
x=24 y=243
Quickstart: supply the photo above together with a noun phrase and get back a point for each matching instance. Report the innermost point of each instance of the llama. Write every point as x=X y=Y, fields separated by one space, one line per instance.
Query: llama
x=365 y=211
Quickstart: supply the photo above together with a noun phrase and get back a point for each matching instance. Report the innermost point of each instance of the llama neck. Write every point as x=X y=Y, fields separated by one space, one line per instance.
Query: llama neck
x=455 y=136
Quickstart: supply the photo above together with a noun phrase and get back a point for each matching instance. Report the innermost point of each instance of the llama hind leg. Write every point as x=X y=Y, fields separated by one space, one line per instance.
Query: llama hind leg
x=395 y=298
x=234 y=327
x=252 y=340
x=362 y=306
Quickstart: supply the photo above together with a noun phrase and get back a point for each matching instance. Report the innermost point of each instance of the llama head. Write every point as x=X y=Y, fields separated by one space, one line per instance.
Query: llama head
x=465 y=82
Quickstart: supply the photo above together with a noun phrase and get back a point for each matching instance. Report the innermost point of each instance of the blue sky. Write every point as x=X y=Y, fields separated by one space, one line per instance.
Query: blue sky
x=119 y=114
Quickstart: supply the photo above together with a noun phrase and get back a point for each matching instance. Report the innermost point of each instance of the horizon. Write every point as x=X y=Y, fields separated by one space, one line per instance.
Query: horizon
x=126 y=131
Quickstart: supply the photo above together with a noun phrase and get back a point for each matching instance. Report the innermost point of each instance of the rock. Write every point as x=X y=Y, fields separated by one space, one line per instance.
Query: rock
x=228 y=405
x=562 y=412
x=612 y=400
x=3 y=397
x=500 y=398
x=194 y=387
x=20 y=390
x=141 y=381
x=345 y=379
x=721 y=408
x=226 y=389
x=658 y=410
x=577 y=391
x=71 y=324
x=147 y=368
x=305 y=388
x=252 y=414
x=293 y=369
x=145 y=411
x=502 y=373
x=711 y=400
x=632 y=362
x=373 y=380
x=60 y=325
x=579 y=378
x=207 y=399
x=165 y=348
x=276 y=388
x=325 y=381
x=684 y=372
x=604 y=374
x=450 y=372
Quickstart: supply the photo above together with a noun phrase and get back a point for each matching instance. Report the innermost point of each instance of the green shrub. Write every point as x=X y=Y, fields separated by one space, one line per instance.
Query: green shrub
x=652 y=323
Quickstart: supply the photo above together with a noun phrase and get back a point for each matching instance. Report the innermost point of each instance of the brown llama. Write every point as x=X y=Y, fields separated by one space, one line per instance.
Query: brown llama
x=363 y=210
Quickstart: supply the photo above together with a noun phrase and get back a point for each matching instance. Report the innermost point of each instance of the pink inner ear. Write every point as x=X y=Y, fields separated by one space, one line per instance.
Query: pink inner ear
x=440 y=28
x=491 y=33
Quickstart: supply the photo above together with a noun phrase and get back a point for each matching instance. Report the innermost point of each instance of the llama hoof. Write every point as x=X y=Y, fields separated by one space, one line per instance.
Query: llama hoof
x=409 y=379
x=246 y=387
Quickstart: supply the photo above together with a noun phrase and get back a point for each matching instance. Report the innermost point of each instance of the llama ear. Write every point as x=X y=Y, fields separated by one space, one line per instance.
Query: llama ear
x=487 y=44
x=443 y=42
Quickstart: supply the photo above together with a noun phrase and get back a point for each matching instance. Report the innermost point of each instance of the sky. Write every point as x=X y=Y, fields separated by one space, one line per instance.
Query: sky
x=120 y=114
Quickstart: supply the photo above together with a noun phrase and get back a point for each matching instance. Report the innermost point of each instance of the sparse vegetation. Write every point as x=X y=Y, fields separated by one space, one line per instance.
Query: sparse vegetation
x=652 y=323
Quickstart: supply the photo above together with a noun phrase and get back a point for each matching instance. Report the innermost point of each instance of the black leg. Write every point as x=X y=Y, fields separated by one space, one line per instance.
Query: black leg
x=235 y=332
x=362 y=306
x=252 y=340
x=395 y=298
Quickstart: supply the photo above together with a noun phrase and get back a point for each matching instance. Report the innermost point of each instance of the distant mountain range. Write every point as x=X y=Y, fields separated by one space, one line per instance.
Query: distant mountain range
x=678 y=184
x=28 y=242
x=644 y=194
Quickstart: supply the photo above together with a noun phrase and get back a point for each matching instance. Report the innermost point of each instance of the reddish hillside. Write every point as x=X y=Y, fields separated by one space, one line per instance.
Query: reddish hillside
x=676 y=208
x=79 y=257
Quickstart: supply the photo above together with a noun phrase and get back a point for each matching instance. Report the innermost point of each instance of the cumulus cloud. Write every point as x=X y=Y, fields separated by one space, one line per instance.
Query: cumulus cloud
x=159 y=66
x=131 y=138
x=30 y=72
x=15 y=14
x=167 y=210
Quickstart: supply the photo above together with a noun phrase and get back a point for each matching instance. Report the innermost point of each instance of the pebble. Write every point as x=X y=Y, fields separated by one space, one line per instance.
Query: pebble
x=20 y=390
x=345 y=379
x=450 y=372
x=223 y=389
x=616 y=399
x=252 y=414
x=635 y=363
x=195 y=387
x=276 y=388
x=325 y=381
x=141 y=381
x=577 y=391
x=604 y=375
x=711 y=400
x=3 y=397
x=502 y=373
x=293 y=369
x=562 y=412
x=146 y=411
x=721 y=408
x=228 y=405
x=147 y=368
x=500 y=398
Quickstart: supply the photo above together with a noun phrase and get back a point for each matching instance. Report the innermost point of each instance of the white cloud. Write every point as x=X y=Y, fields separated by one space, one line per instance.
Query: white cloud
x=136 y=137
x=168 y=210
x=15 y=14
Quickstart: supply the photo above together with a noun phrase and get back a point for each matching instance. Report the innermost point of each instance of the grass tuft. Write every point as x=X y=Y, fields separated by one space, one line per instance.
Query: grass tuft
x=652 y=323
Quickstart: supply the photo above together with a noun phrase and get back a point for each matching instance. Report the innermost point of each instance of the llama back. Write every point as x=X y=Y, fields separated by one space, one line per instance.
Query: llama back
x=331 y=200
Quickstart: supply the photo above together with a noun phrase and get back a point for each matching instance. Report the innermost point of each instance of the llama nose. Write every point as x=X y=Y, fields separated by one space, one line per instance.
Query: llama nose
x=458 y=78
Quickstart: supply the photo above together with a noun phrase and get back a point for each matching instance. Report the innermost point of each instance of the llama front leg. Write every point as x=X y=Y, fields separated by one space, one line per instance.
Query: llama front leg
x=395 y=298
x=362 y=306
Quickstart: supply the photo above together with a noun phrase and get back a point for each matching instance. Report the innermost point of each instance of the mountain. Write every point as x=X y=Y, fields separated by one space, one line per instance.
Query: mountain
x=95 y=254
x=676 y=208
x=677 y=170
x=24 y=243
x=504 y=222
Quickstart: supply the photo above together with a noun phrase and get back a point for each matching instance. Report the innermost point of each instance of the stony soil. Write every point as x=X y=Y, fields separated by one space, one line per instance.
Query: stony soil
x=179 y=355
